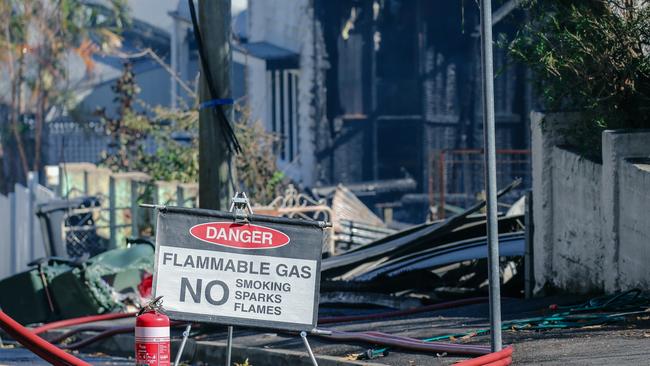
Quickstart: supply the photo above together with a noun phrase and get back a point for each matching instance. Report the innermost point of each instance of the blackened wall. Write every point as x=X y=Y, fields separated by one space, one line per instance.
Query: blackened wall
x=404 y=82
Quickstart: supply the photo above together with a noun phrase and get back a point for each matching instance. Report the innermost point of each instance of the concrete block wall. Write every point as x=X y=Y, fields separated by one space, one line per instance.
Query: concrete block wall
x=576 y=221
x=634 y=223
x=591 y=220
x=619 y=203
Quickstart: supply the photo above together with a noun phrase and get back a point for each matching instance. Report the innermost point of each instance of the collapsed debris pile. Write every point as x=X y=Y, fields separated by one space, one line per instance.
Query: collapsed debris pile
x=367 y=265
x=59 y=288
x=353 y=223
x=430 y=262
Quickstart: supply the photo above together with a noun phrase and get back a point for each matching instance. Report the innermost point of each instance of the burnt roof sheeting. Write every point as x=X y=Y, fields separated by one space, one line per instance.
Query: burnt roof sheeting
x=473 y=229
x=402 y=242
x=466 y=234
x=510 y=245
x=346 y=206
x=371 y=188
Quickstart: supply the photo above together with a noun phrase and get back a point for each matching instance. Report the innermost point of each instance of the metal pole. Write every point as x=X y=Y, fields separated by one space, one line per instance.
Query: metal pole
x=112 y=215
x=135 y=232
x=303 y=335
x=186 y=334
x=529 y=282
x=490 y=174
x=229 y=346
x=32 y=183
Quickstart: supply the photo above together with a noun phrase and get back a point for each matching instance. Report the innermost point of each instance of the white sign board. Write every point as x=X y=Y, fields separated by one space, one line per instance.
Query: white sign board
x=264 y=273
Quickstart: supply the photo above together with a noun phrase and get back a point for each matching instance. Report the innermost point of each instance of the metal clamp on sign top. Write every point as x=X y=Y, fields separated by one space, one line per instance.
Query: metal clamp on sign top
x=239 y=205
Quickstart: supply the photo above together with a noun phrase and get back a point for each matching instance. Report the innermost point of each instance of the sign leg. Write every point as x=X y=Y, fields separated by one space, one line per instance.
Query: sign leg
x=186 y=334
x=229 y=346
x=303 y=335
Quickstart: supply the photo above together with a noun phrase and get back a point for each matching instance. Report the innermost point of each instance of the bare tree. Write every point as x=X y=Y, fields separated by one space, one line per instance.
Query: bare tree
x=37 y=42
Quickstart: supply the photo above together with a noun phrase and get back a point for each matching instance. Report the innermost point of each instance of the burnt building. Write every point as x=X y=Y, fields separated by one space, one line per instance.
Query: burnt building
x=373 y=90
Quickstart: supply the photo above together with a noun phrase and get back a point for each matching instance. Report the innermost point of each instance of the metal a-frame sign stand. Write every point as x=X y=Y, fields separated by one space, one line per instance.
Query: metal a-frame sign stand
x=241 y=209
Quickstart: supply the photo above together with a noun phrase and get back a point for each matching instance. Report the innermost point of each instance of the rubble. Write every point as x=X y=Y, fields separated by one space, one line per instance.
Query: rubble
x=58 y=288
x=367 y=266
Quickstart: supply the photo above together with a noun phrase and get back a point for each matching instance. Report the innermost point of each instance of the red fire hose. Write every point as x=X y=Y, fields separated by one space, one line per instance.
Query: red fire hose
x=324 y=320
x=80 y=320
x=392 y=314
x=70 y=333
x=38 y=345
x=503 y=357
x=492 y=359
x=408 y=343
x=105 y=333
x=503 y=362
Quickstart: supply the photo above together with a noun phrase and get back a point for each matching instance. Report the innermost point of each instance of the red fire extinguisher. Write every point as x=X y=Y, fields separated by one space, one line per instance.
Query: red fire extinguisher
x=152 y=337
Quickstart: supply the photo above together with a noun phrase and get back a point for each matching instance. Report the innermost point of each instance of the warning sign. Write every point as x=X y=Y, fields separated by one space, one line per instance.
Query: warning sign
x=263 y=273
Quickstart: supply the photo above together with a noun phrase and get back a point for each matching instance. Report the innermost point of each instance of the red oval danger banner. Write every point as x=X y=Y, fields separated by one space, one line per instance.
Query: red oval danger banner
x=240 y=236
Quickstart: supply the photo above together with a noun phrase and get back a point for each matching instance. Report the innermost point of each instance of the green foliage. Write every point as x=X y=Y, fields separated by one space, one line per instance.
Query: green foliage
x=132 y=132
x=175 y=136
x=245 y=363
x=37 y=35
x=256 y=167
x=175 y=160
x=591 y=56
x=128 y=130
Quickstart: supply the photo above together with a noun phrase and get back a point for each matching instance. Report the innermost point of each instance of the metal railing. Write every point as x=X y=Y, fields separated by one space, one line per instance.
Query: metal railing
x=120 y=216
x=457 y=179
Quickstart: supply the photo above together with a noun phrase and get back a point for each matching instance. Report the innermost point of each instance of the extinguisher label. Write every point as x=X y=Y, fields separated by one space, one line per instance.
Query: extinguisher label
x=152 y=346
x=152 y=353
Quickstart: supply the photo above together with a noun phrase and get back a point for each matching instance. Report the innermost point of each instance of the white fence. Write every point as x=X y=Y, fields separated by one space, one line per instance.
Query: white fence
x=21 y=239
x=119 y=217
x=591 y=219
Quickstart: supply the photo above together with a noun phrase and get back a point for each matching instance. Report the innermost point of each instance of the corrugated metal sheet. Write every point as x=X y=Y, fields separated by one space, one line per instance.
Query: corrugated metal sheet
x=346 y=206
x=401 y=243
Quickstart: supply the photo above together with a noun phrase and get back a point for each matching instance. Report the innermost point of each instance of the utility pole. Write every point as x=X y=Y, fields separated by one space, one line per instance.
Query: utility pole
x=215 y=168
